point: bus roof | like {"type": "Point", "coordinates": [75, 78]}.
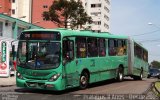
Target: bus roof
{"type": "Point", "coordinates": [68, 32]}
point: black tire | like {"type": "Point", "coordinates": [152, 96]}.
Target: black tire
{"type": "Point", "coordinates": [120, 75]}
{"type": "Point", "coordinates": [84, 80]}
{"type": "Point", "coordinates": [140, 77]}
{"type": "Point", "coordinates": [158, 76]}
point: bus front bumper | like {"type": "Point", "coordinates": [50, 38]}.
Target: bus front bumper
{"type": "Point", "coordinates": [40, 84]}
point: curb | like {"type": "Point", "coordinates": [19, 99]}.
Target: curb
{"type": "Point", "coordinates": [152, 88]}
{"type": "Point", "coordinates": [7, 85]}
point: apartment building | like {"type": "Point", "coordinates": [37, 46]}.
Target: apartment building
{"type": "Point", "coordinates": [21, 9]}
{"type": "Point", "coordinates": [38, 7]}
{"type": "Point", "coordinates": [5, 7]}
{"type": "Point", "coordinates": [99, 10]}
{"type": "Point", "coordinates": [31, 11]}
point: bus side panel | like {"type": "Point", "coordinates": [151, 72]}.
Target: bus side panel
{"type": "Point", "coordinates": [139, 63]}
{"type": "Point", "coordinates": [106, 69]}
{"type": "Point", "coordinates": [145, 69]}
{"type": "Point", "coordinates": [137, 66]}
{"type": "Point", "coordinates": [98, 68]}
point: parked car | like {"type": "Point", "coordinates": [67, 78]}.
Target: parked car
{"type": "Point", "coordinates": [154, 72]}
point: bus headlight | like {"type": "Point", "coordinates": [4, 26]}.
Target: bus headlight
{"type": "Point", "coordinates": [54, 77]}
{"type": "Point", "coordinates": [19, 75]}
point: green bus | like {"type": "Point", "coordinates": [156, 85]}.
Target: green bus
{"type": "Point", "coordinates": [58, 59]}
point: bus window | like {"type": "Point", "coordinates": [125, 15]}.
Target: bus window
{"type": "Point", "coordinates": [81, 47]}
{"type": "Point", "coordinates": [124, 44]}
{"type": "Point", "coordinates": [145, 56]}
{"type": "Point", "coordinates": [121, 50]}
{"type": "Point", "coordinates": [138, 51]}
{"type": "Point", "coordinates": [102, 48]}
{"type": "Point", "coordinates": [92, 47]}
{"type": "Point", "coordinates": [112, 47]}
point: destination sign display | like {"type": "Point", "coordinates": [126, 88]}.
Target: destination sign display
{"type": "Point", "coordinates": [39, 35]}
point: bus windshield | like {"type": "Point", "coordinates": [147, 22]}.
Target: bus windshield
{"type": "Point", "coordinates": [38, 55]}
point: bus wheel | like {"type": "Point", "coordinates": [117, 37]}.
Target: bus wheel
{"type": "Point", "coordinates": [84, 80]}
{"type": "Point", "coordinates": [140, 77]}
{"type": "Point", "coordinates": [120, 74]}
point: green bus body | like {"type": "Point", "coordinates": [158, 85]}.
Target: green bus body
{"type": "Point", "coordinates": [71, 68]}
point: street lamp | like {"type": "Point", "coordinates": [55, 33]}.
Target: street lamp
{"type": "Point", "coordinates": [150, 23]}
{"type": "Point", "coordinates": [154, 25]}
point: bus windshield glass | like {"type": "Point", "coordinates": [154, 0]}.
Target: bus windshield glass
{"type": "Point", "coordinates": [38, 55]}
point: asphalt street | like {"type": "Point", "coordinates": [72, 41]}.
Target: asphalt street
{"type": "Point", "coordinates": [106, 90]}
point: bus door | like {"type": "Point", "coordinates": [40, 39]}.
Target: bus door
{"type": "Point", "coordinates": [70, 70]}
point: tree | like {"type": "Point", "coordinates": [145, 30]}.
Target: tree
{"type": "Point", "coordinates": [155, 64]}
{"type": "Point", "coordinates": [63, 12]}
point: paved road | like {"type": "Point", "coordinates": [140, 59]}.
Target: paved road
{"type": "Point", "coordinates": [129, 86]}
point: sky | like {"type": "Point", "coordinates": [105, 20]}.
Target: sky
{"type": "Point", "coordinates": [131, 18]}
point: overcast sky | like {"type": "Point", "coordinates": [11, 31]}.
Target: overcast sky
{"type": "Point", "coordinates": [131, 17]}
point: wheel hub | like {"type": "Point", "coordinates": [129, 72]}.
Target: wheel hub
{"type": "Point", "coordinates": [83, 80]}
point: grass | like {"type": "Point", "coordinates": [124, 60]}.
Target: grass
{"type": "Point", "coordinates": [157, 85]}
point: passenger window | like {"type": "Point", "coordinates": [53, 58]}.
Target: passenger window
{"type": "Point", "coordinates": [102, 48]}
{"type": "Point", "coordinates": [121, 50]}
{"type": "Point", "coordinates": [145, 56]}
{"type": "Point", "coordinates": [92, 47]}
{"type": "Point", "coordinates": [81, 47]}
{"type": "Point", "coordinates": [112, 47]}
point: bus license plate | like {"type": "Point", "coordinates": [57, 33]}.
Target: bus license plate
{"type": "Point", "coordinates": [32, 85]}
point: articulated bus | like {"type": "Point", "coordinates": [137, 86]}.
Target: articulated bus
{"type": "Point", "coordinates": [58, 59]}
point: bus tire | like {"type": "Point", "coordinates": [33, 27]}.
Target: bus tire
{"type": "Point", "coordinates": [84, 80]}
{"type": "Point", "coordinates": [120, 74]}
{"type": "Point", "coordinates": [140, 77]}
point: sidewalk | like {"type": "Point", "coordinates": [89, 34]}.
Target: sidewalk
{"type": "Point", "coordinates": [8, 81]}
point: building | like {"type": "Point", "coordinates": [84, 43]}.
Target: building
{"type": "Point", "coordinates": [10, 30]}
{"type": "Point", "coordinates": [11, 27]}
{"type": "Point", "coordinates": [21, 9]}
{"type": "Point", "coordinates": [99, 10]}
{"type": "Point", "coordinates": [31, 11]}
{"type": "Point", "coordinates": [38, 7]}
{"type": "Point", "coordinates": [5, 7]}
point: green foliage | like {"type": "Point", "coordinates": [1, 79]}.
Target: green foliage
{"type": "Point", "coordinates": [155, 64]}
{"type": "Point", "coordinates": [63, 12]}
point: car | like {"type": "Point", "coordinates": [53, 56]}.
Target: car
{"type": "Point", "coordinates": [154, 72]}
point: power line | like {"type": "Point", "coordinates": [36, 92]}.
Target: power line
{"type": "Point", "coordinates": [146, 33]}
{"type": "Point", "coordinates": [154, 55]}
{"type": "Point", "coordinates": [155, 40]}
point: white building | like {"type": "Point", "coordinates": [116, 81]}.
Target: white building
{"type": "Point", "coordinates": [99, 10]}
{"type": "Point", "coordinates": [21, 9]}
